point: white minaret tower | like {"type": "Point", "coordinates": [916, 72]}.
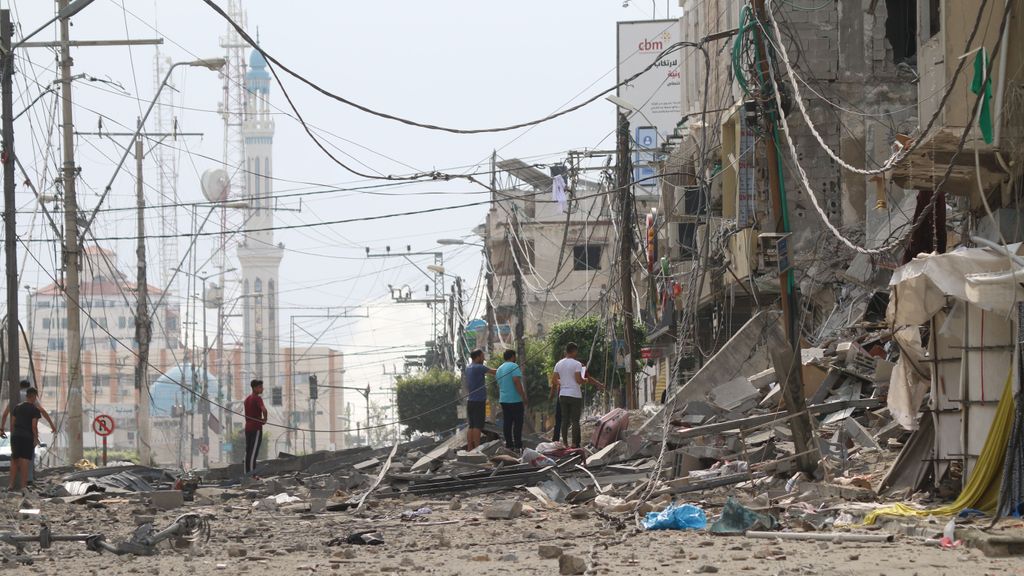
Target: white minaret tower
{"type": "Point", "coordinates": [259, 257]}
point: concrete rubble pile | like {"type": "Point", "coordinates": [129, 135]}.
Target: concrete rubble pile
{"type": "Point", "coordinates": [721, 443]}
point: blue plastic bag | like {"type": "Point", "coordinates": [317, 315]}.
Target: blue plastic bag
{"type": "Point", "coordinates": [676, 517]}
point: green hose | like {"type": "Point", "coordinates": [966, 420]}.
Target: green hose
{"type": "Point", "coordinates": [737, 50]}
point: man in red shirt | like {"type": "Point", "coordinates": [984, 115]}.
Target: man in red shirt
{"type": "Point", "coordinates": [255, 418]}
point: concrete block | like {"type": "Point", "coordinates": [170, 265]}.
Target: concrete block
{"type": "Point", "coordinates": [167, 499]}
{"type": "Point", "coordinates": [504, 510]}
{"type": "Point", "coordinates": [549, 551]}
{"type": "Point", "coordinates": [471, 457]}
{"type": "Point", "coordinates": [570, 564]}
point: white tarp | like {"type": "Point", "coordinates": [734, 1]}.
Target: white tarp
{"type": "Point", "coordinates": [987, 278]}
{"type": "Point", "coordinates": [920, 287]}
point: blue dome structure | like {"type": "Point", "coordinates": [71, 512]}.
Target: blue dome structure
{"type": "Point", "coordinates": [257, 79]}
{"type": "Point", "coordinates": [174, 388]}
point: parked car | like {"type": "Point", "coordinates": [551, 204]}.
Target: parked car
{"type": "Point", "coordinates": [5, 452]}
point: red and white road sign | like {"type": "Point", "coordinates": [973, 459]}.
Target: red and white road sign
{"type": "Point", "coordinates": [103, 425]}
{"type": "Point", "coordinates": [204, 448]}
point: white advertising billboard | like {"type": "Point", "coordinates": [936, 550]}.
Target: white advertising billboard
{"type": "Point", "coordinates": [656, 93]}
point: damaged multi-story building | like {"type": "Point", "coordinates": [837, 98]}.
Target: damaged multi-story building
{"type": "Point", "coordinates": [899, 136]}
{"type": "Point", "coordinates": [870, 75]}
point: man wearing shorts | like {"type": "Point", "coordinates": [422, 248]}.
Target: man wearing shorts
{"type": "Point", "coordinates": [476, 397]}
{"type": "Point", "coordinates": [24, 438]}
{"type": "Point", "coordinates": [25, 385]}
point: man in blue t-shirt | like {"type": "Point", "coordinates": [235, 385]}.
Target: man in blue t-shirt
{"type": "Point", "coordinates": [512, 396]}
{"type": "Point", "coordinates": [476, 397]}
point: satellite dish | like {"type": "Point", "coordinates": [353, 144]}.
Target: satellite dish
{"type": "Point", "coordinates": [215, 185]}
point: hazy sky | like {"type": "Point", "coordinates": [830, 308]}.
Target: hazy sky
{"type": "Point", "coordinates": [456, 63]}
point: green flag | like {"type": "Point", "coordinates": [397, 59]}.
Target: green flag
{"type": "Point", "coordinates": [981, 80]}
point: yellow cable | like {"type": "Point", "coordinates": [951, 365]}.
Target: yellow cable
{"type": "Point", "coordinates": [982, 490]}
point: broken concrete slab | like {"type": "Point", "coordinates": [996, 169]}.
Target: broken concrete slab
{"type": "Point", "coordinates": [614, 452]}
{"type": "Point", "coordinates": [736, 395]}
{"type": "Point", "coordinates": [763, 379]}
{"type": "Point", "coordinates": [440, 451]}
{"type": "Point", "coordinates": [745, 354]}
{"type": "Point", "coordinates": [366, 464]}
{"type": "Point", "coordinates": [473, 457]}
{"type": "Point", "coordinates": [859, 435]}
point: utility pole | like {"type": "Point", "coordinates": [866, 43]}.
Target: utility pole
{"type": "Point", "coordinates": [517, 286]}
{"type": "Point", "coordinates": [142, 323]}
{"type": "Point", "coordinates": [460, 324]}
{"type": "Point", "coordinates": [71, 253]}
{"type": "Point", "coordinates": [313, 383]}
{"type": "Point", "coordinates": [623, 181]}
{"type": "Point", "coordinates": [786, 358]}
{"type": "Point", "coordinates": [438, 300]}
{"type": "Point", "coordinates": [10, 209]}
{"type": "Point", "coordinates": [489, 271]}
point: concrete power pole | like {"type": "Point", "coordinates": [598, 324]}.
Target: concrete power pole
{"type": "Point", "coordinates": [10, 210]}
{"type": "Point", "coordinates": [72, 256]}
{"type": "Point", "coordinates": [71, 251]}
{"type": "Point", "coordinates": [623, 181]}
{"type": "Point", "coordinates": [142, 323]}
{"type": "Point", "coordinates": [517, 286]}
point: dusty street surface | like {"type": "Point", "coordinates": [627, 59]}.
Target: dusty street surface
{"type": "Point", "coordinates": [444, 541]}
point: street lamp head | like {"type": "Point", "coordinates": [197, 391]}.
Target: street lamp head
{"type": "Point", "coordinates": [622, 103]}
{"type": "Point", "coordinates": [73, 8]}
{"type": "Point", "coordinates": [436, 269]}
{"type": "Point", "coordinates": [209, 63]}
{"type": "Point", "coordinates": [450, 242]}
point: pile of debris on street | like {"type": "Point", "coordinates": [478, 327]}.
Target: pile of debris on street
{"type": "Point", "coordinates": [718, 457]}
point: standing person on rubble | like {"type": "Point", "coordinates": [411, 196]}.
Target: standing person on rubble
{"type": "Point", "coordinates": [255, 418]}
{"type": "Point", "coordinates": [570, 380]}
{"type": "Point", "coordinates": [558, 410]}
{"type": "Point", "coordinates": [24, 385]}
{"type": "Point", "coordinates": [476, 397]}
{"type": "Point", "coordinates": [24, 438]}
{"type": "Point", "coordinates": [512, 396]}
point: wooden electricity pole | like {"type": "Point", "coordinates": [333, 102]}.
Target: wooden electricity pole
{"type": "Point", "coordinates": [623, 181]}
{"type": "Point", "coordinates": [786, 357]}
{"type": "Point", "coordinates": [13, 375]}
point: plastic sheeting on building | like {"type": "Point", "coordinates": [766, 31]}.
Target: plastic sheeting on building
{"type": "Point", "coordinates": [968, 301]}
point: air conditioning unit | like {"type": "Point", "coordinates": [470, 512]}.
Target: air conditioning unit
{"type": "Point", "coordinates": [690, 201]}
{"type": "Point", "coordinates": [714, 226]}
{"type": "Point", "coordinates": [682, 238]}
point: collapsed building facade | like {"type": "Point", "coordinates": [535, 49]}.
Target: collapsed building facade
{"type": "Point", "coordinates": [927, 172]}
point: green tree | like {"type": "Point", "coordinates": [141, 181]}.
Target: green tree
{"type": "Point", "coordinates": [427, 401]}
{"type": "Point", "coordinates": [590, 333]}
{"type": "Point", "coordinates": [536, 369]}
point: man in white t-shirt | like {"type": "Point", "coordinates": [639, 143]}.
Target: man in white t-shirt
{"type": "Point", "coordinates": [569, 378]}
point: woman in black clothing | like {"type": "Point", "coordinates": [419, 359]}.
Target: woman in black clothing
{"type": "Point", "coordinates": [24, 438]}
